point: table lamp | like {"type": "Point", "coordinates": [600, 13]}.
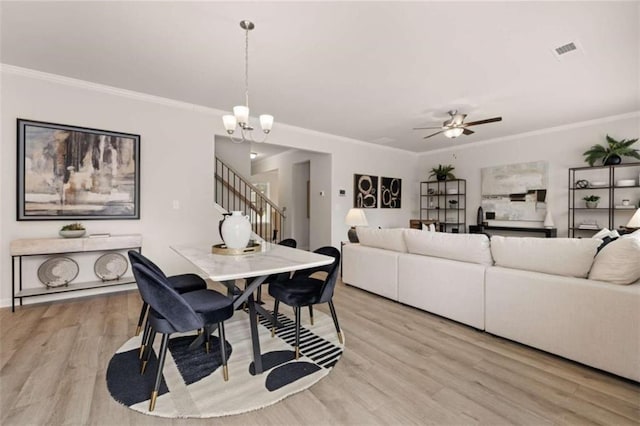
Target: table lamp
{"type": "Point", "coordinates": [354, 218]}
{"type": "Point", "coordinates": [634, 223]}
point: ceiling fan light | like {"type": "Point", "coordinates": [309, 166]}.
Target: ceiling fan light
{"type": "Point", "coordinates": [453, 132]}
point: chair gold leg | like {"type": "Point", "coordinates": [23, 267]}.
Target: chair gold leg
{"type": "Point", "coordinates": [144, 367]}
{"type": "Point", "coordinates": [138, 329]}
{"type": "Point", "coordinates": [340, 339]}
{"type": "Point", "coordinates": [311, 319]}
{"type": "Point", "coordinates": [225, 373]}
{"type": "Point", "coordinates": [206, 346]}
{"type": "Point", "coordinates": [152, 403]}
{"type": "Point", "coordinates": [273, 332]}
{"type": "Point", "coordinates": [141, 351]}
{"type": "Point", "coordinates": [297, 352]}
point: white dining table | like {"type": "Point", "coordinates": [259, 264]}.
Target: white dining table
{"type": "Point", "coordinates": [255, 267]}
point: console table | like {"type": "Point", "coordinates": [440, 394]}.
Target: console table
{"type": "Point", "coordinates": [62, 246]}
{"type": "Point", "coordinates": [548, 232]}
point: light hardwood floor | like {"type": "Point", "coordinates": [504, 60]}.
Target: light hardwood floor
{"type": "Point", "coordinates": [401, 366]}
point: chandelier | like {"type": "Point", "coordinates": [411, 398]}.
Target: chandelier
{"type": "Point", "coordinates": [240, 117]}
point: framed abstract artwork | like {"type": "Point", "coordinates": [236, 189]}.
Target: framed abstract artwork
{"type": "Point", "coordinates": [365, 191]}
{"type": "Point", "coordinates": [390, 193]}
{"type": "Point", "coordinates": [76, 173]}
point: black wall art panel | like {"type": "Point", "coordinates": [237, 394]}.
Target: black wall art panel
{"type": "Point", "coordinates": [365, 191]}
{"type": "Point", "coordinates": [390, 193]}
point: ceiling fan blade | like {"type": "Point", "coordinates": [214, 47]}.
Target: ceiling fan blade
{"type": "Point", "coordinates": [422, 128]}
{"type": "Point", "coordinates": [433, 134]}
{"type": "Point", "coordinates": [488, 120]}
{"type": "Point", "coordinates": [468, 132]}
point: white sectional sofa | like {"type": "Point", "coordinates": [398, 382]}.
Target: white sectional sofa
{"type": "Point", "coordinates": [545, 293]}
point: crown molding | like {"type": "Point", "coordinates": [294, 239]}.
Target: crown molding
{"type": "Point", "coordinates": [143, 97]}
{"type": "Point", "coordinates": [103, 88]}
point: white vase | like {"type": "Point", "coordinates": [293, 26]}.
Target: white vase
{"type": "Point", "coordinates": [236, 230]}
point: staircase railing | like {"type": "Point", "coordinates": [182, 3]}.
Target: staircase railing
{"type": "Point", "coordinates": [235, 192]}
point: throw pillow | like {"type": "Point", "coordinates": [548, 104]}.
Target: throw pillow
{"type": "Point", "coordinates": [619, 261]}
{"type": "Point", "coordinates": [569, 257]}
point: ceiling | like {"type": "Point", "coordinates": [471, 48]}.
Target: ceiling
{"type": "Point", "coordinates": [365, 70]}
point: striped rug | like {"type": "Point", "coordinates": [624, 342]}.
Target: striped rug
{"type": "Point", "coordinates": [192, 379]}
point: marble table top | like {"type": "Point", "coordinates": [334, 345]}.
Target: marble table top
{"type": "Point", "coordinates": [274, 259]}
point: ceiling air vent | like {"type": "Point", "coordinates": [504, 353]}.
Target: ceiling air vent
{"type": "Point", "coordinates": [565, 49]}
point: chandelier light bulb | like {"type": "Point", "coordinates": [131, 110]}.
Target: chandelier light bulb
{"type": "Point", "coordinates": [242, 114]}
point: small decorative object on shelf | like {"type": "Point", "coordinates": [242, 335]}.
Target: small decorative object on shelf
{"type": "Point", "coordinates": [611, 154]}
{"type": "Point", "coordinates": [592, 201]}
{"type": "Point", "coordinates": [236, 230]}
{"type": "Point", "coordinates": [443, 172]}
{"type": "Point", "coordinates": [73, 230]}
{"type": "Point", "coordinates": [582, 183]}
{"type": "Point", "coordinates": [58, 271]}
{"type": "Point", "coordinates": [110, 266]}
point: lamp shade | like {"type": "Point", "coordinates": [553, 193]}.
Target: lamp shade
{"type": "Point", "coordinates": [356, 217]}
{"type": "Point", "coordinates": [229, 122]}
{"type": "Point", "coordinates": [635, 220]}
{"type": "Point", "coordinates": [241, 113]}
{"type": "Point", "coordinates": [266, 122]}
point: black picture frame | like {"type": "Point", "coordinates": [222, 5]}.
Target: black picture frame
{"type": "Point", "coordinates": [76, 173]}
{"type": "Point", "coordinates": [390, 193]}
{"type": "Point", "coordinates": [365, 191]}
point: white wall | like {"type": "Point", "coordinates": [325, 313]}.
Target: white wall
{"type": "Point", "coordinates": [561, 147]}
{"type": "Point", "coordinates": [177, 156]}
{"type": "Point", "coordinates": [300, 217]}
{"type": "Point", "coordinates": [234, 155]}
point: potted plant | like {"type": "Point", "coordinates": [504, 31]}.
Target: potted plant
{"type": "Point", "coordinates": [592, 201]}
{"type": "Point", "coordinates": [73, 230]}
{"type": "Point", "coordinates": [612, 153]}
{"type": "Point", "coordinates": [443, 172]}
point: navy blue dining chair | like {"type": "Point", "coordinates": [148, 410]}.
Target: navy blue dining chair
{"type": "Point", "coordinates": [171, 312]}
{"type": "Point", "coordinates": [304, 290]}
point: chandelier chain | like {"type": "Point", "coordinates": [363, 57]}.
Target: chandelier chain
{"type": "Point", "coordinates": [246, 67]}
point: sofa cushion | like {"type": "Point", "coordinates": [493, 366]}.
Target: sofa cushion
{"type": "Point", "coordinates": [473, 248]}
{"type": "Point", "coordinates": [389, 239]}
{"type": "Point", "coordinates": [569, 257]}
{"type": "Point", "coordinates": [618, 262]}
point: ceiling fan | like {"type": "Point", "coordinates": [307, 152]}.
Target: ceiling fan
{"type": "Point", "coordinates": [455, 125]}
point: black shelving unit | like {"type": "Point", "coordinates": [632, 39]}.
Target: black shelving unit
{"type": "Point", "coordinates": [609, 212]}
{"type": "Point", "coordinates": [446, 202]}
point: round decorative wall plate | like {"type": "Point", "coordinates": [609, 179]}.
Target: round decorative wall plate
{"type": "Point", "coordinates": [58, 271]}
{"type": "Point", "coordinates": [110, 266]}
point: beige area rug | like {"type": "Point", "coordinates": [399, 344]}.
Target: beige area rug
{"type": "Point", "coordinates": [192, 379]}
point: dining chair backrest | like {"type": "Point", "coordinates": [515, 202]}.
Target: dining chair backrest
{"type": "Point", "coordinates": [137, 257]}
{"type": "Point", "coordinates": [157, 292]}
{"type": "Point", "coordinates": [326, 290]}
{"type": "Point", "coordinates": [289, 242]}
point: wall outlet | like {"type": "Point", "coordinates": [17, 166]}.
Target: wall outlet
{"type": "Point", "coordinates": [342, 193]}
{"type": "Point", "coordinates": [176, 204]}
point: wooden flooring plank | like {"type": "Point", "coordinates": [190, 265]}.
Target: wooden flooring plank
{"type": "Point", "coordinates": [401, 366]}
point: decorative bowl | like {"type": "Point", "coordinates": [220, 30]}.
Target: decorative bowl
{"type": "Point", "coordinates": [72, 234]}
{"type": "Point", "coordinates": [597, 184]}
{"type": "Point", "coordinates": [626, 182]}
